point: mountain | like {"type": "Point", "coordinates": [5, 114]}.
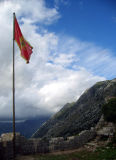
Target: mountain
{"type": "Point", "coordinates": [26, 128]}
{"type": "Point", "coordinates": [80, 115]}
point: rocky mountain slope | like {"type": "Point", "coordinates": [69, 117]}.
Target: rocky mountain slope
{"type": "Point", "coordinates": [81, 115]}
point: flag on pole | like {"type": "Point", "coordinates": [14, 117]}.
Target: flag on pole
{"type": "Point", "coordinates": [24, 46]}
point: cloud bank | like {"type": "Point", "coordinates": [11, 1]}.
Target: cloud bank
{"type": "Point", "coordinates": [60, 69]}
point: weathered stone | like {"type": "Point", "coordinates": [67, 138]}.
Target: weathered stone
{"type": "Point", "coordinates": [32, 146]}
{"type": "Point", "coordinates": [104, 128]}
{"type": "Point", "coordinates": [56, 140]}
{"type": "Point", "coordinates": [70, 138]}
{"type": "Point", "coordinates": [106, 131]}
{"type": "Point", "coordinates": [8, 136]}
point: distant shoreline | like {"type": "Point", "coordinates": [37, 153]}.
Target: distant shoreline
{"type": "Point", "coordinates": [17, 121]}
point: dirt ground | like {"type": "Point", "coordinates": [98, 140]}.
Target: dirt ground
{"type": "Point", "coordinates": [24, 158]}
{"type": "Point", "coordinates": [30, 157]}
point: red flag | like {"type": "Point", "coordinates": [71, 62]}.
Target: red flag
{"type": "Point", "coordinates": [25, 47]}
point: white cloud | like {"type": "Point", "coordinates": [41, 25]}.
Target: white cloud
{"type": "Point", "coordinates": [37, 11]}
{"type": "Point", "coordinates": [56, 73]}
{"type": "Point", "coordinates": [66, 89]}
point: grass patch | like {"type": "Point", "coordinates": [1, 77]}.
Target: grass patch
{"type": "Point", "coordinates": [99, 154]}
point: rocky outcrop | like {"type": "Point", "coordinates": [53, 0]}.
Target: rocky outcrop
{"type": "Point", "coordinates": [105, 134]}
{"type": "Point", "coordinates": [81, 115]}
{"type": "Point", "coordinates": [105, 129]}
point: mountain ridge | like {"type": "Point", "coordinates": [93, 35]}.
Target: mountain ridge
{"type": "Point", "coordinates": [80, 115]}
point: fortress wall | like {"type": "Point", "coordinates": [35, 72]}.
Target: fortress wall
{"type": "Point", "coordinates": [37, 145]}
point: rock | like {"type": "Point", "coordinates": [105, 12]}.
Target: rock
{"type": "Point", "coordinates": [108, 130]}
{"type": "Point", "coordinates": [56, 140]}
{"type": "Point", "coordinates": [100, 123]}
{"type": "Point", "coordinates": [70, 138]}
{"type": "Point", "coordinates": [8, 136]}
{"type": "Point", "coordinates": [80, 115]}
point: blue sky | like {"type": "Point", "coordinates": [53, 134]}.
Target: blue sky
{"type": "Point", "coordinates": [88, 20]}
{"type": "Point", "coordinates": [73, 48]}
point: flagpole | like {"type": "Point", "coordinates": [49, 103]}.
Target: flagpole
{"type": "Point", "coordinates": [14, 86]}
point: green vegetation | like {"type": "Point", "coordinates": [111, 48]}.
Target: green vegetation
{"type": "Point", "coordinates": [99, 84]}
{"type": "Point", "coordinates": [99, 154]}
{"type": "Point", "coordinates": [109, 110]}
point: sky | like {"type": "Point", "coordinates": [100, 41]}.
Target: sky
{"type": "Point", "coordinates": [73, 48]}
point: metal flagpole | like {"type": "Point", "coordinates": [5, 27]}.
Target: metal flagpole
{"type": "Point", "coordinates": [14, 86]}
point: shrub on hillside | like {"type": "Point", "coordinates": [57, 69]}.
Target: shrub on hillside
{"type": "Point", "coordinates": [109, 110]}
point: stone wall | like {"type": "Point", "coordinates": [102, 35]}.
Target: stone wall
{"type": "Point", "coordinates": [38, 145]}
